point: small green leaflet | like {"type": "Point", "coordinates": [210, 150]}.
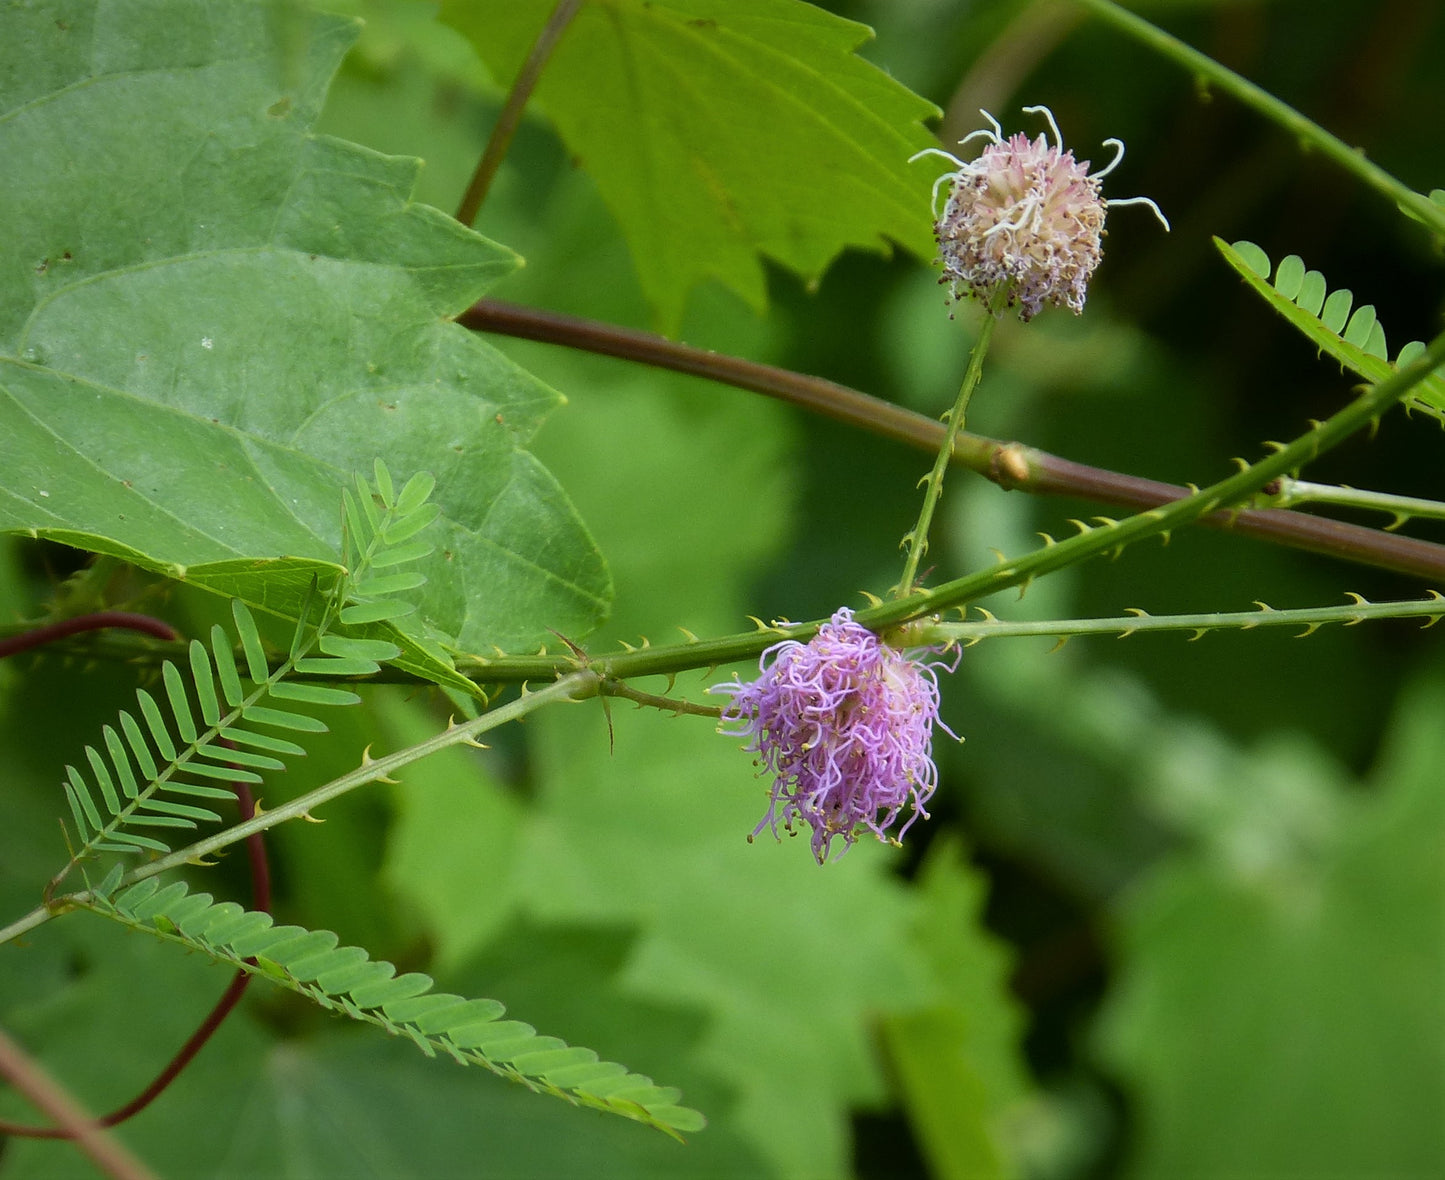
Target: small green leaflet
{"type": "Point", "coordinates": [1356, 341]}
{"type": "Point", "coordinates": [721, 132]}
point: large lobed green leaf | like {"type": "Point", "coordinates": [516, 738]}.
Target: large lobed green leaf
{"type": "Point", "coordinates": [210, 317]}
{"type": "Point", "coordinates": [721, 132]}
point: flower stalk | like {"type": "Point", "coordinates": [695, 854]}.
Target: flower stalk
{"type": "Point", "coordinates": [916, 540]}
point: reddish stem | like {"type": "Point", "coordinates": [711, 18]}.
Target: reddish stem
{"type": "Point", "coordinates": [92, 622]}
{"type": "Point", "coordinates": [255, 855]}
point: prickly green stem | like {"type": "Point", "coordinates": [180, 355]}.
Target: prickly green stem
{"type": "Point", "coordinates": [1310, 134]}
{"type": "Point", "coordinates": [1310, 618]}
{"type": "Point", "coordinates": [1231, 492]}
{"type": "Point", "coordinates": [1402, 508]}
{"type": "Point", "coordinates": [916, 541]}
{"type": "Point", "coordinates": [1227, 493]}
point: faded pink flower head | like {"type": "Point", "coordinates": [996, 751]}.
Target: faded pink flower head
{"type": "Point", "coordinates": [844, 723]}
{"type": "Point", "coordinates": [1023, 223]}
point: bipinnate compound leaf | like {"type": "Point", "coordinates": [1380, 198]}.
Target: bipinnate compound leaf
{"type": "Point", "coordinates": [723, 132]}
{"type": "Point", "coordinates": [1279, 1012]}
{"type": "Point", "coordinates": [210, 318]}
{"type": "Point", "coordinates": [149, 773]}
{"type": "Point", "coordinates": [346, 980]}
{"type": "Point", "coordinates": [1356, 341]}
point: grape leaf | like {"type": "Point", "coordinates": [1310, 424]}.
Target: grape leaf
{"type": "Point", "coordinates": [724, 131]}
{"type": "Point", "coordinates": [210, 317]}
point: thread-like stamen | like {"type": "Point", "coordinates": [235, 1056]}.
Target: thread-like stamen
{"type": "Point", "coordinates": [1028, 207]}
{"type": "Point", "coordinates": [1164, 221]}
{"type": "Point", "coordinates": [949, 156]}
{"type": "Point", "coordinates": [981, 133]}
{"type": "Point", "coordinates": [1054, 127]}
{"type": "Point", "coordinates": [1118, 146]}
{"type": "Point", "coordinates": [946, 178]}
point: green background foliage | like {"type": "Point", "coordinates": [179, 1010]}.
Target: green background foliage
{"type": "Point", "coordinates": [1177, 910]}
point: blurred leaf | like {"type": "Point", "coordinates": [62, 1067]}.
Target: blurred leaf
{"type": "Point", "coordinates": [958, 1063]}
{"type": "Point", "coordinates": [567, 977]}
{"type": "Point", "coordinates": [721, 132]}
{"type": "Point", "coordinates": [1282, 1016]}
{"type": "Point", "coordinates": [452, 851]}
{"type": "Point", "coordinates": [790, 960]}
{"type": "Point", "coordinates": [206, 335]}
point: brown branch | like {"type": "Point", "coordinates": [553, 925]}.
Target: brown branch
{"type": "Point", "coordinates": [511, 113]}
{"type": "Point", "coordinates": [1011, 465]}
{"type": "Point", "coordinates": [49, 1097]}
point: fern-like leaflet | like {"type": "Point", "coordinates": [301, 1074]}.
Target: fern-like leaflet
{"type": "Point", "coordinates": [1354, 338]}
{"type": "Point", "coordinates": [347, 980]}
{"type": "Point", "coordinates": [164, 771]}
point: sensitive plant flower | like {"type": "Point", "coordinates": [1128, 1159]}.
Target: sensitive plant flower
{"type": "Point", "coordinates": [1022, 223]}
{"type": "Point", "coordinates": [845, 724]}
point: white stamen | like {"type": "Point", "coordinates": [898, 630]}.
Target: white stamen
{"type": "Point", "coordinates": [937, 184]}
{"type": "Point", "coordinates": [1028, 207]}
{"type": "Point", "coordinates": [1054, 127]}
{"type": "Point", "coordinates": [936, 152]}
{"type": "Point", "coordinates": [1118, 146]}
{"type": "Point", "coordinates": [994, 123]}
{"type": "Point", "coordinates": [983, 132]}
{"type": "Point", "coordinates": [1164, 221]}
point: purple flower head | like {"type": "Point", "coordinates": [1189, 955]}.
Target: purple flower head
{"type": "Point", "coordinates": [845, 724]}
{"type": "Point", "coordinates": [1023, 223]}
